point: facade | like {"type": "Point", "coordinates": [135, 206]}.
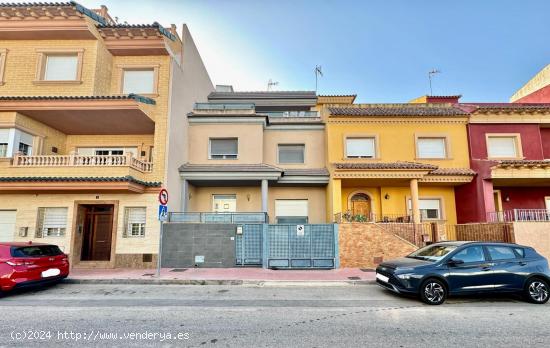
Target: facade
{"type": "Point", "coordinates": [396, 162]}
{"type": "Point", "coordinates": [510, 152]}
{"type": "Point", "coordinates": [90, 113]}
{"type": "Point", "coordinates": [536, 90]}
{"type": "Point", "coordinates": [259, 156]}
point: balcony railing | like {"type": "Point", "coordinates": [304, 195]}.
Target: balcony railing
{"type": "Point", "coordinates": [82, 161]}
{"type": "Point", "coordinates": [298, 114]}
{"type": "Point", "coordinates": [348, 217]}
{"type": "Point", "coordinates": [519, 215]}
{"type": "Point", "coordinates": [220, 106]}
{"type": "Point", "coordinates": [220, 218]}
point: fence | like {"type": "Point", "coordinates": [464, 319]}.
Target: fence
{"type": "Point", "coordinates": [485, 232]}
{"type": "Point", "coordinates": [519, 215]}
{"type": "Point", "coordinates": [349, 217]}
{"type": "Point", "coordinates": [222, 218]}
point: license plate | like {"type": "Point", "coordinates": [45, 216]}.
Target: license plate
{"type": "Point", "coordinates": [52, 272]}
{"type": "Point", "coordinates": [382, 277]}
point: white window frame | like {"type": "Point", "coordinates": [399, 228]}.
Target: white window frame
{"type": "Point", "coordinates": [42, 61]}
{"type": "Point", "coordinates": [129, 225]}
{"type": "Point", "coordinates": [224, 156]}
{"type": "Point", "coordinates": [60, 228]}
{"type": "Point", "coordinates": [131, 67]}
{"type": "Point", "coordinates": [294, 214]}
{"type": "Point", "coordinates": [361, 137]}
{"type": "Point", "coordinates": [421, 138]}
{"type": "Point", "coordinates": [423, 216]}
{"type": "Point", "coordinates": [517, 145]}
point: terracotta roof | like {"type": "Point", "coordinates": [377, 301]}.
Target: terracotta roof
{"type": "Point", "coordinates": [134, 30]}
{"type": "Point", "coordinates": [135, 97]}
{"type": "Point", "coordinates": [385, 165]}
{"type": "Point", "coordinates": [49, 9]}
{"type": "Point", "coordinates": [453, 171]}
{"type": "Point", "coordinates": [79, 179]}
{"type": "Point", "coordinates": [306, 172]}
{"type": "Point", "coordinates": [523, 163]}
{"type": "Point", "coordinates": [228, 168]}
{"type": "Point", "coordinates": [398, 110]}
{"type": "Point", "coordinates": [505, 107]}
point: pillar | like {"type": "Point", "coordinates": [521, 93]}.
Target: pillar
{"type": "Point", "coordinates": [264, 195]}
{"type": "Point", "coordinates": [184, 195]}
{"type": "Point", "coordinates": [336, 198]}
{"type": "Point", "coordinates": [414, 201]}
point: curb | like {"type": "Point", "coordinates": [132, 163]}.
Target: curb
{"type": "Point", "coordinates": [266, 283]}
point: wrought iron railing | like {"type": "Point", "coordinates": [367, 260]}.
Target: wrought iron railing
{"type": "Point", "coordinates": [222, 218]}
{"type": "Point", "coordinates": [348, 217]}
{"type": "Point", "coordinates": [519, 215]}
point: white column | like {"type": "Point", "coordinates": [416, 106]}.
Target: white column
{"type": "Point", "coordinates": [414, 201]}
{"type": "Point", "coordinates": [184, 195]}
{"type": "Point", "coordinates": [264, 195]}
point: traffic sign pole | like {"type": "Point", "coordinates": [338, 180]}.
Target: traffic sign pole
{"type": "Point", "coordinates": [163, 200]}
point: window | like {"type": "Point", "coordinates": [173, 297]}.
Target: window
{"type": "Point", "coordinates": [291, 211]}
{"type": "Point", "coordinates": [61, 67]}
{"type": "Point", "coordinates": [24, 141]}
{"type": "Point", "coordinates": [25, 149]}
{"type": "Point", "coordinates": [224, 203]}
{"type": "Point", "coordinates": [36, 251]}
{"type": "Point", "coordinates": [431, 147]}
{"type": "Point", "coordinates": [520, 252]}
{"type": "Point", "coordinates": [224, 148]}
{"type": "Point", "coordinates": [471, 254]}
{"type": "Point", "coordinates": [291, 153]}
{"type": "Point", "coordinates": [503, 146]}
{"type": "Point", "coordinates": [3, 149]}
{"type": "Point", "coordinates": [134, 221]}
{"type": "Point", "coordinates": [430, 209]}
{"type": "Point", "coordinates": [361, 147]}
{"type": "Point", "coordinates": [432, 252]}
{"type": "Point", "coordinates": [139, 81]}
{"type": "Point", "coordinates": [500, 252]}
{"type": "Point", "coordinates": [52, 222]}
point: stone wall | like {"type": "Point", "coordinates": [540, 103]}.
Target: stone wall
{"type": "Point", "coordinates": [366, 245]}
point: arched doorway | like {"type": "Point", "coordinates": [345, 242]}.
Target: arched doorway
{"type": "Point", "coordinates": [361, 205]}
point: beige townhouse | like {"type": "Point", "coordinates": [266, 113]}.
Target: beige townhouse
{"type": "Point", "coordinates": [90, 112]}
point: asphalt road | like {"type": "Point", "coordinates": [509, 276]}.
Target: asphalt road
{"type": "Point", "coordinates": [241, 316]}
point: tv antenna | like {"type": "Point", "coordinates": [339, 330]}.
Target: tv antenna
{"type": "Point", "coordinates": [271, 83]}
{"type": "Point", "coordinates": [430, 74]}
{"type": "Point", "coordinates": [318, 73]}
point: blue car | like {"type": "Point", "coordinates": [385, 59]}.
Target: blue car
{"type": "Point", "coordinates": [452, 268]}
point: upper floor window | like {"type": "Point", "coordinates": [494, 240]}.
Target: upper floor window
{"type": "Point", "coordinates": [59, 65]}
{"type": "Point", "coordinates": [13, 141]}
{"type": "Point", "coordinates": [503, 146]}
{"type": "Point", "coordinates": [291, 154]}
{"type": "Point", "coordinates": [431, 147]}
{"type": "Point", "coordinates": [226, 148]}
{"type": "Point", "coordinates": [139, 80]}
{"type": "Point", "coordinates": [364, 147]}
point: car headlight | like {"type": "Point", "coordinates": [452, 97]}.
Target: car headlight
{"type": "Point", "coordinates": [405, 276]}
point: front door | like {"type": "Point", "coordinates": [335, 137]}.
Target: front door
{"type": "Point", "coordinates": [97, 232]}
{"type": "Point", "coordinates": [360, 205]}
{"type": "Point", "coordinates": [475, 274]}
{"type": "Point", "coordinates": [224, 204]}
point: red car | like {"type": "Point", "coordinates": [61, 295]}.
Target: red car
{"type": "Point", "coordinates": [30, 264]}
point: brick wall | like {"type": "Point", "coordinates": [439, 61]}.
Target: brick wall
{"type": "Point", "coordinates": [366, 245]}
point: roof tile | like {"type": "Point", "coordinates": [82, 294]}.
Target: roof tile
{"type": "Point", "coordinates": [398, 110]}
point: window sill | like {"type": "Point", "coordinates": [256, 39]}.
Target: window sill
{"type": "Point", "coordinates": [433, 159]}
{"type": "Point", "coordinates": [54, 82]}
{"type": "Point", "coordinates": [352, 159]}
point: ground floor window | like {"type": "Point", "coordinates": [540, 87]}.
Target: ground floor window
{"type": "Point", "coordinates": [430, 209]}
{"type": "Point", "coordinates": [134, 218]}
{"type": "Point", "coordinates": [291, 211]}
{"type": "Point", "coordinates": [52, 222]}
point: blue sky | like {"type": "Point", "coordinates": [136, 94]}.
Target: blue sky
{"type": "Point", "coordinates": [380, 50]}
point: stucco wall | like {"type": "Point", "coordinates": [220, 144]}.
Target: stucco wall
{"type": "Point", "coordinates": [312, 139]}
{"type": "Point", "coordinates": [524, 197]}
{"type": "Point", "coordinates": [534, 234]}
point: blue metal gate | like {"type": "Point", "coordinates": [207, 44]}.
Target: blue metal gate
{"type": "Point", "coordinates": [249, 246]}
{"type": "Point", "coordinates": [291, 246]}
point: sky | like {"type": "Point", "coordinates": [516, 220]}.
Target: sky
{"type": "Point", "coordinates": [380, 50]}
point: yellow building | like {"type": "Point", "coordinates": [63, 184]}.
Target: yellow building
{"type": "Point", "coordinates": [394, 162]}
{"type": "Point", "coordinates": [90, 112]}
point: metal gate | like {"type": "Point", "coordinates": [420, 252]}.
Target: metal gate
{"type": "Point", "coordinates": [302, 246]}
{"type": "Point", "coordinates": [248, 246]}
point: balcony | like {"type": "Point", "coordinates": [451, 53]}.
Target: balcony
{"type": "Point", "coordinates": [292, 114]}
{"type": "Point", "coordinates": [523, 215]}
{"type": "Point", "coordinates": [219, 218]}
{"type": "Point", "coordinates": [82, 161]}
{"type": "Point", "coordinates": [218, 106]}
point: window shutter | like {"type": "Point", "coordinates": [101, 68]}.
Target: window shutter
{"type": "Point", "coordinates": [431, 148]}
{"type": "Point", "coordinates": [39, 223]}
{"type": "Point", "coordinates": [503, 147]}
{"type": "Point", "coordinates": [291, 153]}
{"type": "Point", "coordinates": [291, 207]}
{"type": "Point", "coordinates": [61, 68]}
{"type": "Point", "coordinates": [223, 146]}
{"type": "Point", "coordinates": [139, 81]}
{"type": "Point", "coordinates": [134, 216]}
{"type": "Point", "coordinates": [360, 147]}
{"type": "Point", "coordinates": [54, 218]}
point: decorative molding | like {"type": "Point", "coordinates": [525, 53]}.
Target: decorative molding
{"type": "Point", "coordinates": [361, 120]}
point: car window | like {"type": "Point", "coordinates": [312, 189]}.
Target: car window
{"type": "Point", "coordinates": [520, 252]}
{"type": "Point", "coordinates": [36, 251]}
{"type": "Point", "coordinates": [470, 254]}
{"type": "Point", "coordinates": [432, 252]}
{"type": "Point", "coordinates": [501, 252]}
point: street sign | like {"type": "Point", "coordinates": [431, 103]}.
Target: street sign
{"type": "Point", "coordinates": [163, 212]}
{"type": "Point", "coordinates": [163, 196]}
{"type": "Point", "coordinates": [300, 229]}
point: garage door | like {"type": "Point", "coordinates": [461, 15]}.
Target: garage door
{"type": "Point", "coordinates": [7, 225]}
{"type": "Point", "coordinates": [291, 211]}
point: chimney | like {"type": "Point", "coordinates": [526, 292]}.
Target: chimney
{"type": "Point", "coordinates": [174, 29]}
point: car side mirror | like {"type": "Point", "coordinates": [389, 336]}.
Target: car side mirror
{"type": "Point", "coordinates": [454, 262]}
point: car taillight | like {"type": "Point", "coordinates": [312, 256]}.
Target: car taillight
{"type": "Point", "coordinates": [19, 263]}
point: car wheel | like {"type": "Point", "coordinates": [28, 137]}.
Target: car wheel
{"type": "Point", "coordinates": [537, 291]}
{"type": "Point", "coordinates": [433, 292]}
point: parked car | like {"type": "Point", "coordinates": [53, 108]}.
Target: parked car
{"type": "Point", "coordinates": [450, 268]}
{"type": "Point", "coordinates": [31, 264]}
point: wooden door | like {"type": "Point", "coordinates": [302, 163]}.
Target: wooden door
{"type": "Point", "coordinates": [97, 233]}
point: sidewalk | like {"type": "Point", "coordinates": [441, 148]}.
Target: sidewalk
{"type": "Point", "coordinates": [222, 276]}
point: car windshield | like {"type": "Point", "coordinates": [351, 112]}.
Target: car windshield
{"type": "Point", "coordinates": [36, 251]}
{"type": "Point", "coordinates": [432, 252]}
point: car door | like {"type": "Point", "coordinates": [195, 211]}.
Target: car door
{"type": "Point", "coordinates": [474, 274]}
{"type": "Point", "coordinates": [508, 268]}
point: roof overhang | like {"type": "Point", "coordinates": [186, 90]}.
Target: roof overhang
{"type": "Point", "coordinates": [230, 176]}
{"type": "Point", "coordinates": [521, 176]}
{"type": "Point", "coordinates": [46, 29]}
{"type": "Point", "coordinates": [74, 185]}
{"type": "Point", "coordinates": [137, 46]}
{"type": "Point", "coordinates": [81, 116]}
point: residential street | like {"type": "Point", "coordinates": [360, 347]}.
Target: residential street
{"type": "Point", "coordinates": [255, 316]}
